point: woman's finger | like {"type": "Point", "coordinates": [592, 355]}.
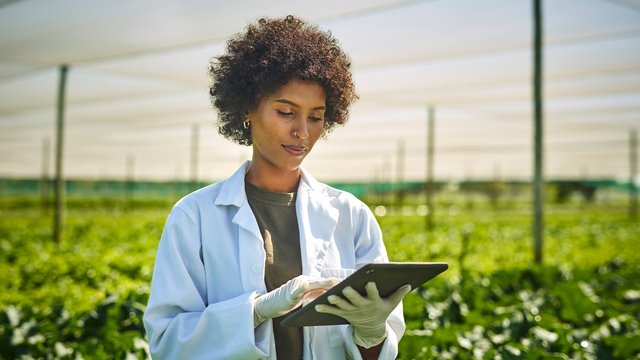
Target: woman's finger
{"type": "Point", "coordinates": [399, 294]}
{"type": "Point", "coordinates": [328, 309]}
{"type": "Point", "coordinates": [323, 283]}
{"type": "Point", "coordinates": [372, 291]}
{"type": "Point", "coordinates": [353, 296]}
{"type": "Point", "coordinates": [340, 302]}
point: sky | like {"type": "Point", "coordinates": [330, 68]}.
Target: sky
{"type": "Point", "coordinates": [137, 87]}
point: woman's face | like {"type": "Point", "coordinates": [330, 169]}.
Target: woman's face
{"type": "Point", "coordinates": [286, 125]}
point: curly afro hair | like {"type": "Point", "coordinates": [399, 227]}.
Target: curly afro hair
{"type": "Point", "coordinates": [268, 55]}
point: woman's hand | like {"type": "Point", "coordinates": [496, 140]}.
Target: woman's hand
{"type": "Point", "coordinates": [368, 315]}
{"type": "Point", "coordinates": [288, 296]}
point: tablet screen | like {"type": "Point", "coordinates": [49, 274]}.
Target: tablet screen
{"type": "Point", "coordinates": [388, 278]}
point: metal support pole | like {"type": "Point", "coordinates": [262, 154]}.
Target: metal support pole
{"type": "Point", "coordinates": [633, 174]}
{"type": "Point", "coordinates": [400, 176]}
{"type": "Point", "coordinates": [44, 181]}
{"type": "Point", "coordinates": [429, 184]}
{"type": "Point", "coordinates": [60, 181]}
{"type": "Point", "coordinates": [538, 180]}
{"type": "Point", "coordinates": [387, 182]}
{"type": "Point", "coordinates": [129, 181]}
{"type": "Point", "coordinates": [194, 156]}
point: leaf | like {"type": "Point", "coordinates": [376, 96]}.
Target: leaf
{"type": "Point", "coordinates": [574, 304]}
{"type": "Point", "coordinates": [14, 315]}
{"type": "Point", "coordinates": [545, 336]}
{"type": "Point", "coordinates": [62, 350]}
{"type": "Point", "coordinates": [624, 346]}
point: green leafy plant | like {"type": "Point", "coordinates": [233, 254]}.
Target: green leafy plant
{"type": "Point", "coordinates": [84, 298]}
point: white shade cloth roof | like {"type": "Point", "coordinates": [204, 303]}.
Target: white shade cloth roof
{"type": "Point", "coordinates": [138, 83]}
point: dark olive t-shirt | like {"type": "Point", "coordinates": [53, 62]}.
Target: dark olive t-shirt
{"type": "Point", "coordinates": [278, 223]}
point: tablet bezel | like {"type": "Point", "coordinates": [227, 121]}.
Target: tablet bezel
{"type": "Point", "coordinates": [388, 278]}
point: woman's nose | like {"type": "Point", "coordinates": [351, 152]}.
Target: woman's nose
{"type": "Point", "coordinates": [300, 131]}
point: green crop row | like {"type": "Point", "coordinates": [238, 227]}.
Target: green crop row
{"type": "Point", "coordinates": [84, 298]}
{"type": "Point", "coordinates": [539, 313]}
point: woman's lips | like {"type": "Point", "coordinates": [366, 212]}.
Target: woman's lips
{"type": "Point", "coordinates": [296, 150]}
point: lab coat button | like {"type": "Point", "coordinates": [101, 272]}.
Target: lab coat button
{"type": "Point", "coordinates": [256, 268]}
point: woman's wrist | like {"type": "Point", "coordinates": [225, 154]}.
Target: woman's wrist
{"type": "Point", "coordinates": [257, 317]}
{"type": "Point", "coordinates": [371, 338]}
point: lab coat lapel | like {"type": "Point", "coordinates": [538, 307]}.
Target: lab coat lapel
{"type": "Point", "coordinates": [250, 249]}
{"type": "Point", "coordinates": [317, 220]}
{"type": "Point", "coordinates": [251, 252]}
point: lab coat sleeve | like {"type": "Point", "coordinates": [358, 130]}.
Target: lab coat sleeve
{"type": "Point", "coordinates": [180, 324]}
{"type": "Point", "coordinates": [369, 248]}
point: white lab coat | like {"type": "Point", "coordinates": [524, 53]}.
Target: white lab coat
{"type": "Point", "coordinates": [210, 266]}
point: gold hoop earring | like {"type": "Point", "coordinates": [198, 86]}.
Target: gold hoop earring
{"type": "Point", "coordinates": [246, 124]}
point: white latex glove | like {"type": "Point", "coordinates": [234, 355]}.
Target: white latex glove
{"type": "Point", "coordinates": [288, 296]}
{"type": "Point", "coordinates": [368, 315]}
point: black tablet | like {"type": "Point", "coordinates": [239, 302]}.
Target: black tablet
{"type": "Point", "coordinates": [388, 278]}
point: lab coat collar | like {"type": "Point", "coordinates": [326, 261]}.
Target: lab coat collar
{"type": "Point", "coordinates": [233, 192]}
{"type": "Point", "coordinates": [317, 218]}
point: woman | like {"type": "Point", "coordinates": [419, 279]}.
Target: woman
{"type": "Point", "coordinates": [237, 255]}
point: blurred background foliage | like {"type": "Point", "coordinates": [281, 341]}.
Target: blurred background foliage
{"type": "Point", "coordinates": [84, 298]}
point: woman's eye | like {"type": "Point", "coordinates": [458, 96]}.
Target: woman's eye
{"type": "Point", "coordinates": [284, 113]}
{"type": "Point", "coordinates": [315, 118]}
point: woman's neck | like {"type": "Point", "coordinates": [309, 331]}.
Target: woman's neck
{"type": "Point", "coordinates": [272, 179]}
